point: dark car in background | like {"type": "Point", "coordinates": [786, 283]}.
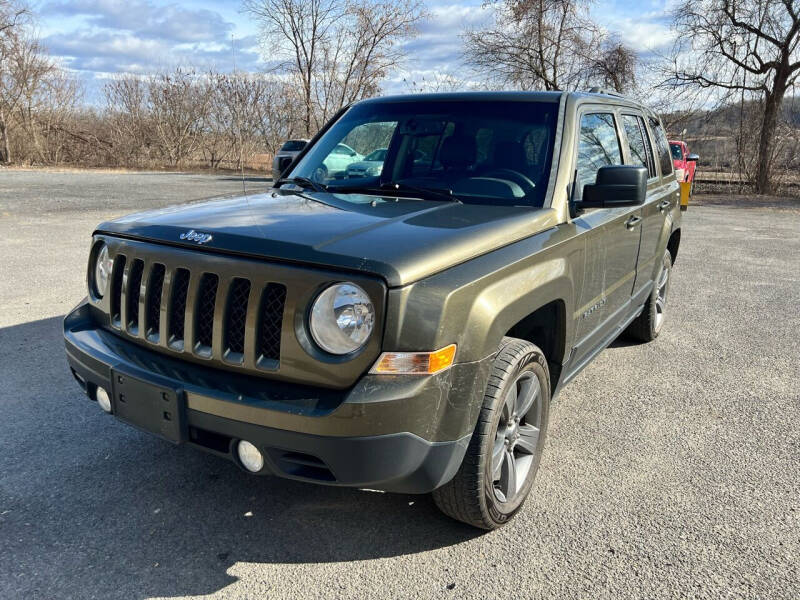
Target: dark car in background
{"type": "Point", "coordinates": [284, 157]}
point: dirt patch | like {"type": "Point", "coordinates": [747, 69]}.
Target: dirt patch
{"type": "Point", "coordinates": [739, 201]}
{"type": "Point", "coordinates": [133, 170]}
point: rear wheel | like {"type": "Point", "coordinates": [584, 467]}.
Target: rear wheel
{"type": "Point", "coordinates": [648, 325]}
{"type": "Point", "coordinates": [503, 456]}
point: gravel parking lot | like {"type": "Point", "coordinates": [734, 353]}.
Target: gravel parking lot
{"type": "Point", "coordinates": [672, 469]}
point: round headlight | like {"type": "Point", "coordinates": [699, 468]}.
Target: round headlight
{"type": "Point", "coordinates": [342, 318]}
{"type": "Point", "coordinates": [102, 269]}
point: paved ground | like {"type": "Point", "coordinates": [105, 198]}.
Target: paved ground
{"type": "Point", "coordinates": [672, 470]}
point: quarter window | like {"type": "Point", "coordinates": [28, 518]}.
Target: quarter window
{"type": "Point", "coordinates": [641, 153]}
{"type": "Point", "coordinates": [662, 146]}
{"type": "Point", "coordinates": [598, 146]}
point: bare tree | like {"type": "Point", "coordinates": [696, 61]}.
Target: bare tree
{"type": "Point", "coordinates": [179, 103]}
{"type": "Point", "coordinates": [614, 66]}
{"type": "Point", "coordinates": [14, 19]}
{"type": "Point", "coordinates": [127, 111]}
{"type": "Point", "coordinates": [742, 49]}
{"type": "Point", "coordinates": [437, 82]}
{"type": "Point", "coordinates": [548, 45]}
{"type": "Point", "coordinates": [248, 114]}
{"type": "Point", "coordinates": [364, 51]}
{"type": "Point", "coordinates": [36, 97]}
{"type": "Point", "coordinates": [278, 116]}
{"type": "Point", "coordinates": [337, 50]}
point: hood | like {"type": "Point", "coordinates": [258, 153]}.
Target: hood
{"type": "Point", "coordinates": [401, 240]}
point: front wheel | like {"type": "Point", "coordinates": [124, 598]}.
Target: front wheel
{"type": "Point", "coordinates": [503, 456]}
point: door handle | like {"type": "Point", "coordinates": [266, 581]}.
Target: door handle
{"type": "Point", "coordinates": [632, 222]}
{"type": "Point", "coordinates": [662, 205]}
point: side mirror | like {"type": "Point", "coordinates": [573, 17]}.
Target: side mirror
{"type": "Point", "coordinates": [617, 185]}
{"type": "Point", "coordinates": [693, 158]}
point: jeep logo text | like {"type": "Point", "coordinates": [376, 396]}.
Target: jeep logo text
{"type": "Point", "coordinates": [196, 236]}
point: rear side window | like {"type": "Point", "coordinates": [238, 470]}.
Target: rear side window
{"type": "Point", "coordinates": [662, 147]}
{"type": "Point", "coordinates": [598, 146]}
{"type": "Point", "coordinates": [639, 144]}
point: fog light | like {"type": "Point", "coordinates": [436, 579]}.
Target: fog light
{"type": "Point", "coordinates": [103, 399]}
{"type": "Point", "coordinates": [251, 458]}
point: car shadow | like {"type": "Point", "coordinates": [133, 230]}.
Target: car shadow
{"type": "Point", "coordinates": [623, 341]}
{"type": "Point", "coordinates": [92, 508]}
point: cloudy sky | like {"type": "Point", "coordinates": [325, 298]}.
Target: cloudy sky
{"type": "Point", "coordinates": [98, 38]}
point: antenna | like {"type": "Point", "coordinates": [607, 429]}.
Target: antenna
{"type": "Point", "coordinates": [238, 117]}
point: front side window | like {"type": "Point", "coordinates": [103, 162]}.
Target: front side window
{"type": "Point", "coordinates": [598, 146]}
{"type": "Point", "coordinates": [677, 151]}
{"type": "Point", "coordinates": [639, 145]}
{"type": "Point", "coordinates": [479, 151]}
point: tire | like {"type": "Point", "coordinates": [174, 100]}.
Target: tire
{"type": "Point", "coordinates": [648, 325]}
{"type": "Point", "coordinates": [477, 495]}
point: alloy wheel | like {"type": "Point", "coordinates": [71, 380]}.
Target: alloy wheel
{"type": "Point", "coordinates": [517, 437]}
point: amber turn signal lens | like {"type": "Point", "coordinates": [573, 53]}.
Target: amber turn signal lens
{"type": "Point", "coordinates": [414, 363]}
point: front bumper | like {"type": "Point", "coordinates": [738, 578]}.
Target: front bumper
{"type": "Point", "coordinates": [395, 433]}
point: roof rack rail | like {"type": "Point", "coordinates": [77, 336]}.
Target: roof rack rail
{"type": "Point", "coordinates": [607, 91]}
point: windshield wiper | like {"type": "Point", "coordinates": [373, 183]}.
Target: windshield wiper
{"type": "Point", "coordinates": [444, 193]}
{"type": "Point", "coordinates": [303, 182]}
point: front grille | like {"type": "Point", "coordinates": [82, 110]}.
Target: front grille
{"type": "Point", "coordinates": [180, 312]}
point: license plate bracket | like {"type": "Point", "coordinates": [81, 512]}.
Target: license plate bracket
{"type": "Point", "coordinates": [151, 407]}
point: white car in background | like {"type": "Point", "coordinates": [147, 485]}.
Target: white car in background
{"type": "Point", "coordinates": [335, 164]}
{"type": "Point", "coordinates": [371, 166]}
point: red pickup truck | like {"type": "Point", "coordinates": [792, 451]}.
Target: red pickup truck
{"type": "Point", "coordinates": [685, 163]}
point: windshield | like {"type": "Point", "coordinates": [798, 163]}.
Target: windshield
{"type": "Point", "coordinates": [487, 152]}
{"type": "Point", "coordinates": [676, 151]}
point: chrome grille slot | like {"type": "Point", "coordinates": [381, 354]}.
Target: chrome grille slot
{"type": "Point", "coordinates": [134, 290]}
{"type": "Point", "coordinates": [236, 319]}
{"type": "Point", "coordinates": [204, 314]}
{"type": "Point", "coordinates": [155, 287]}
{"type": "Point", "coordinates": [273, 299]}
{"type": "Point", "coordinates": [117, 271]}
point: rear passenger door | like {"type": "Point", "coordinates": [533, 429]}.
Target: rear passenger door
{"type": "Point", "coordinates": [639, 151]}
{"type": "Point", "coordinates": [662, 195]}
{"type": "Point", "coordinates": [612, 235]}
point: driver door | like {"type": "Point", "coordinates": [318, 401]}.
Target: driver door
{"type": "Point", "coordinates": [612, 237]}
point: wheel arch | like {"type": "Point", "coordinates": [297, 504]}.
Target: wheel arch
{"type": "Point", "coordinates": [546, 328]}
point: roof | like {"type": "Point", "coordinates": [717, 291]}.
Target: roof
{"type": "Point", "coordinates": [470, 97]}
{"type": "Point", "coordinates": [510, 96]}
